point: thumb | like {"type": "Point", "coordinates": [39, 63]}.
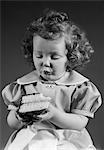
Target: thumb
{"type": "Point", "coordinates": [42, 97]}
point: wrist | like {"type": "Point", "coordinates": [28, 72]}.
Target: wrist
{"type": "Point", "coordinates": [52, 108]}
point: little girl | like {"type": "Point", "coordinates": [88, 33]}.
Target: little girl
{"type": "Point", "coordinates": [51, 106]}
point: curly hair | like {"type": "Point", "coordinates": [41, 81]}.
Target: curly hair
{"type": "Point", "coordinates": [53, 25]}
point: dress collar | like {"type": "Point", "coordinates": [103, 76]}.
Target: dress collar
{"type": "Point", "coordinates": [72, 78]}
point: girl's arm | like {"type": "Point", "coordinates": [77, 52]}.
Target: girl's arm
{"type": "Point", "coordinates": [13, 121]}
{"type": "Point", "coordinates": [67, 120]}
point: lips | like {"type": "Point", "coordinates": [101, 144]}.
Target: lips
{"type": "Point", "coordinates": [47, 71]}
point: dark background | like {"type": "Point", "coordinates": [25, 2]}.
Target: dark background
{"type": "Point", "coordinates": [15, 16]}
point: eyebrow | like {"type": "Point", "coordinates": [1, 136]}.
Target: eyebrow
{"type": "Point", "coordinates": [53, 52]}
{"type": "Point", "coordinates": [38, 51]}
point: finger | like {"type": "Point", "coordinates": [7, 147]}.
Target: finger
{"type": "Point", "coordinates": [35, 119]}
{"type": "Point", "coordinates": [42, 97]}
{"type": "Point", "coordinates": [46, 116]}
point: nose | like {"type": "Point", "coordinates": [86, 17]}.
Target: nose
{"type": "Point", "coordinates": [46, 62]}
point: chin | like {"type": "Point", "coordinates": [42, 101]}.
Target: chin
{"type": "Point", "coordinates": [49, 77]}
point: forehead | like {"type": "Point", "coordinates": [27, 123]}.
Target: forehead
{"type": "Point", "coordinates": [44, 45]}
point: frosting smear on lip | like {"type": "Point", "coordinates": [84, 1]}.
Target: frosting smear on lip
{"type": "Point", "coordinates": [46, 71]}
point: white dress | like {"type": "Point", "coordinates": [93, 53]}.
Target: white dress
{"type": "Point", "coordinates": [71, 94]}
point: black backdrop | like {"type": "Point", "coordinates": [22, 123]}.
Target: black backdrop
{"type": "Point", "coordinates": [16, 15]}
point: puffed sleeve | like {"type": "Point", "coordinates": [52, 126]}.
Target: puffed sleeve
{"type": "Point", "coordinates": [11, 95]}
{"type": "Point", "coordinates": [86, 99]}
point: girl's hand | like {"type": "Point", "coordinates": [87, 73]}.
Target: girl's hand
{"type": "Point", "coordinates": [46, 116]}
{"type": "Point", "coordinates": [49, 114]}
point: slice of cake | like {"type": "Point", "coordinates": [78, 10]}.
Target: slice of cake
{"type": "Point", "coordinates": [33, 105]}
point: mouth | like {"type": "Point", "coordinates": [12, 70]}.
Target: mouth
{"type": "Point", "coordinates": [46, 71]}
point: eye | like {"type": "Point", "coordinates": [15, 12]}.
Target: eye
{"type": "Point", "coordinates": [39, 56]}
{"type": "Point", "coordinates": [55, 57]}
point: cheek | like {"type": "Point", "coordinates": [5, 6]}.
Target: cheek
{"type": "Point", "coordinates": [60, 65]}
{"type": "Point", "coordinates": [34, 59]}
{"type": "Point", "coordinates": [36, 62]}
{"type": "Point", "coordinates": [63, 62]}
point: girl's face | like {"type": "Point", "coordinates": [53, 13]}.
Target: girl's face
{"type": "Point", "coordinates": [49, 57]}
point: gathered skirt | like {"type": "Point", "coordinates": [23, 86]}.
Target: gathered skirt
{"type": "Point", "coordinates": [44, 139]}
